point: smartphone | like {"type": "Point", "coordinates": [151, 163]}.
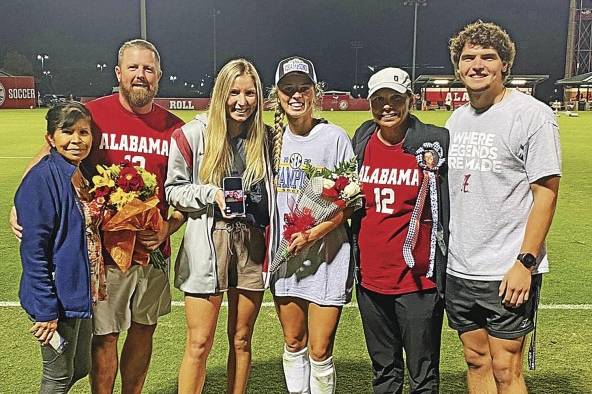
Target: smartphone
{"type": "Point", "coordinates": [58, 343]}
{"type": "Point", "coordinates": [234, 195]}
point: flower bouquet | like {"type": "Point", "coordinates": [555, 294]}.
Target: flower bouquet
{"type": "Point", "coordinates": [127, 197]}
{"type": "Point", "coordinates": [323, 195]}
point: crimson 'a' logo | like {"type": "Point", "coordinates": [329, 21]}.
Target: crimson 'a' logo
{"type": "Point", "coordinates": [465, 186]}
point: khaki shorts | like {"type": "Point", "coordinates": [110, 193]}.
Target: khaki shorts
{"type": "Point", "coordinates": [141, 295]}
{"type": "Point", "coordinates": [240, 251]}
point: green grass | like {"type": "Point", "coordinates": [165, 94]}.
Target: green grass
{"type": "Point", "coordinates": [564, 343]}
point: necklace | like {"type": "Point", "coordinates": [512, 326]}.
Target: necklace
{"type": "Point", "coordinates": [483, 109]}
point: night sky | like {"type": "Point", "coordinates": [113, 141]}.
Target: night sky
{"type": "Point", "coordinates": [79, 34]}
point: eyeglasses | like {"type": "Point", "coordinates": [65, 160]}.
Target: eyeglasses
{"type": "Point", "coordinates": [290, 90]}
{"type": "Point", "coordinates": [394, 100]}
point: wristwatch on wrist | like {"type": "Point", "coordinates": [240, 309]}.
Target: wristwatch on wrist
{"type": "Point", "coordinates": [527, 260]}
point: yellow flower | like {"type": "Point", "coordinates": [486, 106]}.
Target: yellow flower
{"type": "Point", "coordinates": [114, 169]}
{"type": "Point", "coordinates": [119, 198]}
{"type": "Point", "coordinates": [102, 180]}
{"type": "Point", "coordinates": [105, 178]}
{"type": "Point", "coordinates": [149, 179]}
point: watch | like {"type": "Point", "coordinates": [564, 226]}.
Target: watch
{"type": "Point", "coordinates": [527, 259]}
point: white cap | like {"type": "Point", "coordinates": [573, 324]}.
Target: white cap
{"type": "Point", "coordinates": [390, 78]}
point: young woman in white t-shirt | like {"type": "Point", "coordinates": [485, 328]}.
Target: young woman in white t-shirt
{"type": "Point", "coordinates": [312, 286]}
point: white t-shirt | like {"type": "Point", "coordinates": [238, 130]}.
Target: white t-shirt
{"type": "Point", "coordinates": [325, 274]}
{"type": "Point", "coordinates": [493, 158]}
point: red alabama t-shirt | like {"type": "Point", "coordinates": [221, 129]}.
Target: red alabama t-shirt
{"type": "Point", "coordinates": [390, 180]}
{"type": "Point", "coordinates": [119, 135]}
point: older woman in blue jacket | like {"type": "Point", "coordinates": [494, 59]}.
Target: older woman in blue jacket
{"type": "Point", "coordinates": [60, 249]}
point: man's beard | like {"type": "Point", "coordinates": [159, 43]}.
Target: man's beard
{"type": "Point", "coordinates": [138, 98]}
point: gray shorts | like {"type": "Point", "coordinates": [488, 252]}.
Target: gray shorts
{"type": "Point", "coordinates": [240, 251]}
{"type": "Point", "coordinates": [475, 304]}
{"type": "Point", "coordinates": [141, 295]}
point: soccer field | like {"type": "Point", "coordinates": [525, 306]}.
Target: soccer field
{"type": "Point", "coordinates": [564, 340]}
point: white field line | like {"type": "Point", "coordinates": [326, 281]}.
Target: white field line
{"type": "Point", "coordinates": [15, 304]}
{"type": "Point", "coordinates": [16, 157]}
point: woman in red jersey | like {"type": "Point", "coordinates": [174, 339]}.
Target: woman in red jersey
{"type": "Point", "coordinates": [399, 237]}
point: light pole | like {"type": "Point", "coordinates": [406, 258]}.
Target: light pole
{"type": "Point", "coordinates": [101, 66]}
{"type": "Point", "coordinates": [143, 19]}
{"type": "Point", "coordinates": [215, 12]}
{"type": "Point", "coordinates": [48, 75]}
{"type": "Point", "coordinates": [356, 45]}
{"type": "Point", "coordinates": [42, 58]}
{"type": "Point", "coordinates": [415, 4]}
{"type": "Point", "coordinates": [172, 78]}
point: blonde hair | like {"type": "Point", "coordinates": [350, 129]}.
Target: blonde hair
{"type": "Point", "coordinates": [218, 158]}
{"type": "Point", "coordinates": [277, 132]}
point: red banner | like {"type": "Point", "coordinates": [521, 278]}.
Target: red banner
{"type": "Point", "coordinates": [17, 92]}
{"type": "Point", "coordinates": [444, 97]}
{"type": "Point", "coordinates": [197, 104]}
{"type": "Point", "coordinates": [344, 102]}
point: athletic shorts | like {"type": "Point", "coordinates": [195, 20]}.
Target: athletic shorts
{"type": "Point", "coordinates": [240, 251]}
{"type": "Point", "coordinates": [475, 304]}
{"type": "Point", "coordinates": [141, 295]}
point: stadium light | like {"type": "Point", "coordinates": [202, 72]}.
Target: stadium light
{"type": "Point", "coordinates": [356, 45]}
{"type": "Point", "coordinates": [101, 66]}
{"type": "Point", "coordinates": [518, 82]}
{"type": "Point", "coordinates": [173, 78]}
{"type": "Point", "coordinates": [42, 58]}
{"type": "Point", "coordinates": [441, 81]}
{"type": "Point", "coordinates": [415, 4]}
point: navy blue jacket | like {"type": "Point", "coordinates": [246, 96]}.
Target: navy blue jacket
{"type": "Point", "coordinates": [56, 271]}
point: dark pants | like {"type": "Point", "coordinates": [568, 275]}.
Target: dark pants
{"type": "Point", "coordinates": [61, 371]}
{"type": "Point", "coordinates": [412, 322]}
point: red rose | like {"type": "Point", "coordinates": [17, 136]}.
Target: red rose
{"type": "Point", "coordinates": [102, 191]}
{"type": "Point", "coordinates": [330, 193]}
{"type": "Point", "coordinates": [126, 163]}
{"type": "Point", "coordinates": [297, 222]}
{"type": "Point", "coordinates": [130, 180]}
{"type": "Point", "coordinates": [340, 203]}
{"type": "Point", "coordinates": [341, 182]}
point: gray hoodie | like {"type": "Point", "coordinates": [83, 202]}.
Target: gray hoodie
{"type": "Point", "coordinates": [195, 266]}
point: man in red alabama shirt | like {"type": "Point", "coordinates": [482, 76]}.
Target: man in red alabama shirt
{"type": "Point", "coordinates": [130, 126]}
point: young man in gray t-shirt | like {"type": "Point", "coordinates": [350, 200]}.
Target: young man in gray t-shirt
{"type": "Point", "coordinates": [504, 168]}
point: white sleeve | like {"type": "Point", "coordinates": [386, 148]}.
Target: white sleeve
{"type": "Point", "coordinates": [180, 190]}
{"type": "Point", "coordinates": [543, 152]}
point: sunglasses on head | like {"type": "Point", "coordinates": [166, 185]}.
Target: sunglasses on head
{"type": "Point", "coordinates": [290, 90]}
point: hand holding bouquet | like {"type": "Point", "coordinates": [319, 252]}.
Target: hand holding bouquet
{"type": "Point", "coordinates": [128, 198]}
{"type": "Point", "coordinates": [326, 194]}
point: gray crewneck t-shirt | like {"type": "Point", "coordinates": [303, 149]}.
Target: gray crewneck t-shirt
{"type": "Point", "coordinates": [494, 156]}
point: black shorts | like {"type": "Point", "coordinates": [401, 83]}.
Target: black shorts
{"type": "Point", "coordinates": [475, 304]}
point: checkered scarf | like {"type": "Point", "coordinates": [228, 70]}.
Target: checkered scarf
{"type": "Point", "coordinates": [428, 186]}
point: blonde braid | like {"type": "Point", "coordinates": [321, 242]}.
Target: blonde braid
{"type": "Point", "coordinates": [278, 135]}
{"type": "Point", "coordinates": [278, 127]}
